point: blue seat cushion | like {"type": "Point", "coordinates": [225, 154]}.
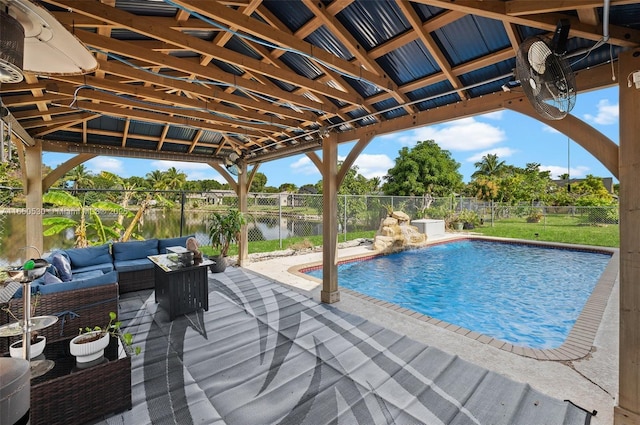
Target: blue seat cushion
{"type": "Point", "coordinates": [168, 242]}
{"type": "Point", "coordinates": [134, 250]}
{"type": "Point", "coordinates": [89, 256]}
{"type": "Point", "coordinates": [83, 280]}
{"type": "Point", "coordinates": [133, 265]}
{"type": "Point", "coordinates": [35, 286]}
{"type": "Point", "coordinates": [104, 268]}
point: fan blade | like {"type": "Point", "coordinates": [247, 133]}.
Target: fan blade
{"type": "Point", "coordinates": [234, 169]}
{"type": "Point", "coordinates": [537, 56]}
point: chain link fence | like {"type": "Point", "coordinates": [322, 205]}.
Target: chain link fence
{"type": "Point", "coordinates": [281, 217]}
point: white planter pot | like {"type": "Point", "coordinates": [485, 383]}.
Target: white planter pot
{"type": "Point", "coordinates": [88, 351]}
{"type": "Point", "coordinates": [15, 349]}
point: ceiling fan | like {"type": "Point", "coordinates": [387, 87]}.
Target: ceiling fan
{"type": "Point", "coordinates": [545, 74]}
{"type": "Point", "coordinates": [231, 163]}
{"type": "Point", "coordinates": [32, 40]}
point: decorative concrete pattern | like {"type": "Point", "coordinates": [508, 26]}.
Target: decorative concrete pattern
{"type": "Point", "coordinates": [264, 354]}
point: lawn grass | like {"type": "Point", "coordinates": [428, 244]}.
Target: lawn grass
{"type": "Point", "coordinates": [295, 242]}
{"type": "Point", "coordinates": [555, 228]}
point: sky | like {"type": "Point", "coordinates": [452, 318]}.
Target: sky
{"type": "Point", "coordinates": [515, 138]}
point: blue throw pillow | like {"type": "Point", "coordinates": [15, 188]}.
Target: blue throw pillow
{"type": "Point", "coordinates": [48, 279]}
{"type": "Point", "coordinates": [62, 264]}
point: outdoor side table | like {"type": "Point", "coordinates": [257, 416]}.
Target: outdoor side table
{"type": "Point", "coordinates": [68, 395]}
{"type": "Point", "coordinates": [180, 289]}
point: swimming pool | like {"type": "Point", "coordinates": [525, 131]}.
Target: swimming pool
{"type": "Point", "coordinates": [526, 295]}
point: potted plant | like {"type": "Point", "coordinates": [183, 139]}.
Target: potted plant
{"type": "Point", "coordinates": [534, 216]}
{"type": "Point", "coordinates": [469, 219]}
{"type": "Point", "coordinates": [89, 345]}
{"type": "Point", "coordinates": [224, 229]}
{"type": "Point", "coordinates": [38, 342]}
{"type": "Point", "coordinates": [454, 221]}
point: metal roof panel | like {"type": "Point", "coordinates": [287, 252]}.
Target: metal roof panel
{"type": "Point", "coordinates": [324, 39]}
{"type": "Point", "coordinates": [373, 22]}
{"type": "Point", "coordinates": [471, 37]}
{"type": "Point", "coordinates": [408, 63]}
{"type": "Point", "coordinates": [293, 14]}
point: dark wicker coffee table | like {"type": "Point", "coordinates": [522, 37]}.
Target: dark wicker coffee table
{"type": "Point", "coordinates": [68, 395]}
{"type": "Point", "coordinates": [180, 289]}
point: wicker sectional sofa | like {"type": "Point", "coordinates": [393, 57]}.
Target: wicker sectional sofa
{"type": "Point", "coordinates": [127, 259]}
{"type": "Point", "coordinates": [96, 277]}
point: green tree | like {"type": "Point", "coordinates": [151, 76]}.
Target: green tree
{"type": "Point", "coordinates": [155, 180]}
{"type": "Point", "coordinates": [80, 177]}
{"type": "Point", "coordinates": [375, 183]}
{"type": "Point", "coordinates": [258, 183]}
{"type": "Point", "coordinates": [354, 183]}
{"type": "Point", "coordinates": [535, 183]}
{"type": "Point", "coordinates": [489, 166]}
{"type": "Point", "coordinates": [174, 179]}
{"type": "Point", "coordinates": [424, 169]}
{"type": "Point", "coordinates": [287, 187]}
{"type": "Point", "coordinates": [591, 192]}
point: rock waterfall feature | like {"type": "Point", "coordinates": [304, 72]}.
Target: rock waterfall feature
{"type": "Point", "coordinates": [396, 233]}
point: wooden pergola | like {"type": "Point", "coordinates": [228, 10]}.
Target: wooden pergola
{"type": "Point", "coordinates": [191, 80]}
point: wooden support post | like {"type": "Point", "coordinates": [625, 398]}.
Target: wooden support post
{"type": "Point", "coordinates": [243, 243]}
{"type": "Point", "coordinates": [627, 412]}
{"type": "Point", "coordinates": [33, 192]}
{"type": "Point", "coordinates": [330, 293]}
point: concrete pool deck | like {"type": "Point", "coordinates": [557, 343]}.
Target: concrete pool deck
{"type": "Point", "coordinates": [589, 380]}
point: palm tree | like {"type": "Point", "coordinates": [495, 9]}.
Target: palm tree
{"type": "Point", "coordinates": [489, 166]}
{"type": "Point", "coordinates": [375, 183]}
{"type": "Point", "coordinates": [156, 180]}
{"type": "Point", "coordinates": [174, 179]}
{"type": "Point", "coordinates": [81, 177]}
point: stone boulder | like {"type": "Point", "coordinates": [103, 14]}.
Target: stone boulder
{"type": "Point", "coordinates": [395, 234]}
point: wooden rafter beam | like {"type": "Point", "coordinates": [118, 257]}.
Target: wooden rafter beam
{"type": "Point", "coordinates": [431, 45]}
{"type": "Point", "coordinates": [190, 67]}
{"type": "Point", "coordinates": [139, 24]}
{"type": "Point", "coordinates": [619, 36]}
{"type": "Point", "coordinates": [532, 7]}
{"type": "Point", "coordinates": [160, 102]}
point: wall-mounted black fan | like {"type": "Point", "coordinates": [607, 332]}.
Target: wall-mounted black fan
{"type": "Point", "coordinates": [231, 164]}
{"type": "Point", "coordinates": [545, 75]}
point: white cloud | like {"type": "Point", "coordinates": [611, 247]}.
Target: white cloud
{"type": "Point", "coordinates": [466, 134]}
{"type": "Point", "coordinates": [374, 165]}
{"type": "Point", "coordinates": [557, 170]}
{"type": "Point", "coordinates": [607, 114]}
{"type": "Point", "coordinates": [368, 165]}
{"type": "Point", "coordinates": [305, 167]}
{"type": "Point", "coordinates": [112, 165]}
{"type": "Point", "coordinates": [501, 152]}
{"type": "Point", "coordinates": [548, 129]}
{"type": "Point", "coordinates": [495, 115]}
{"type": "Point", "coordinates": [193, 170]}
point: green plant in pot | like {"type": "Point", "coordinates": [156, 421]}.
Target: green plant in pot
{"type": "Point", "coordinates": [37, 342]}
{"type": "Point", "coordinates": [224, 229]}
{"type": "Point", "coordinates": [89, 345]}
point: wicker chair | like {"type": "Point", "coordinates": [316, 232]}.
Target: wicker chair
{"type": "Point", "coordinates": [76, 308]}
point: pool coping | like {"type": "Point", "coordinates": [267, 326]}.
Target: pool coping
{"type": "Point", "coordinates": [579, 341]}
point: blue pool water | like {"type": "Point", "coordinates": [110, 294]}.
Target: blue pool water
{"type": "Point", "coordinates": [527, 295]}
